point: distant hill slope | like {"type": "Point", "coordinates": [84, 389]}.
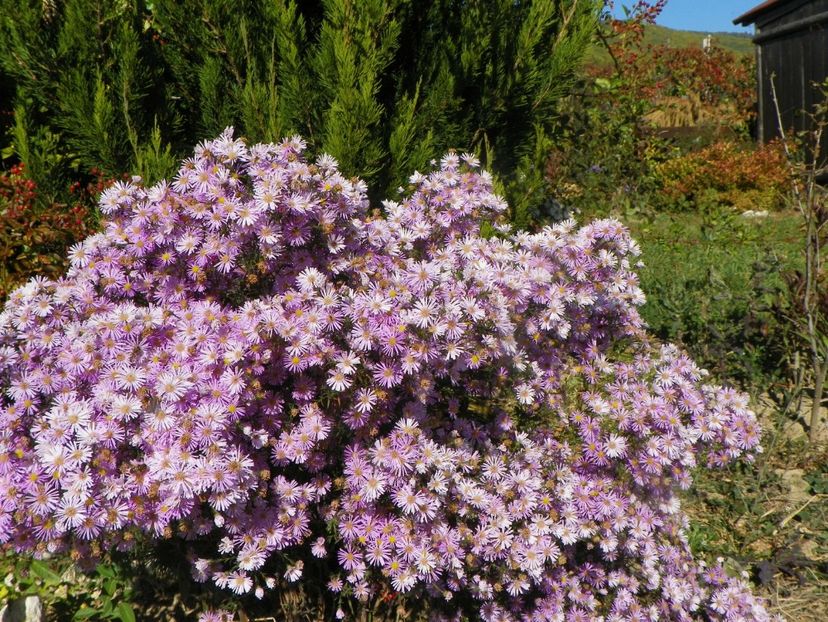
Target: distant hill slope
{"type": "Point", "coordinates": [733, 41]}
{"type": "Point", "coordinates": [660, 35]}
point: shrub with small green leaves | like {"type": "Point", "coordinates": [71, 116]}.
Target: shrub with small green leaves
{"type": "Point", "coordinates": [66, 593]}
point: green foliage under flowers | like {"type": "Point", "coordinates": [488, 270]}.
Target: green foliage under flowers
{"type": "Point", "coordinates": [67, 594]}
{"type": "Point", "coordinates": [151, 583]}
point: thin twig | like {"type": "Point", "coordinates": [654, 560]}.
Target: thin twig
{"type": "Point", "coordinates": [793, 514]}
{"type": "Point", "coordinates": [807, 206]}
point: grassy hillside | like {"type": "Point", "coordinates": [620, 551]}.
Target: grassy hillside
{"type": "Point", "coordinates": [735, 42]}
{"type": "Point", "coordinates": [660, 35]}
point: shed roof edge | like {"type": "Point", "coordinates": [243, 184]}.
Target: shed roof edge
{"type": "Point", "coordinates": [750, 17]}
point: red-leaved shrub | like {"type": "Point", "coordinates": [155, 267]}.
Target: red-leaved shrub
{"type": "Point", "coordinates": [746, 178]}
{"type": "Point", "coordinates": [35, 232]}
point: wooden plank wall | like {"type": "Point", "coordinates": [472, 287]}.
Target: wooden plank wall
{"type": "Point", "coordinates": [796, 59]}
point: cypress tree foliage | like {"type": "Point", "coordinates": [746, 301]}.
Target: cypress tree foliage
{"type": "Point", "coordinates": [85, 88]}
{"type": "Point", "coordinates": [382, 85]}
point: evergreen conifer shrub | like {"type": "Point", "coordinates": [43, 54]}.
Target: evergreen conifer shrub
{"type": "Point", "coordinates": [382, 85]}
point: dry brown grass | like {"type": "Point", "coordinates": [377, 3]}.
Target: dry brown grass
{"type": "Point", "coordinates": [770, 519]}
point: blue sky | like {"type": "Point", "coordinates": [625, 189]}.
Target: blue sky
{"type": "Point", "coordinates": [704, 15]}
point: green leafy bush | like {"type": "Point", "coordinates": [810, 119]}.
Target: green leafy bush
{"type": "Point", "coordinates": [67, 594]}
{"type": "Point", "coordinates": [87, 88]}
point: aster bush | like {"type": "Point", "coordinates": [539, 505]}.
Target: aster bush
{"type": "Point", "coordinates": [252, 360]}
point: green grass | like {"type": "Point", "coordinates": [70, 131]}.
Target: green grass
{"type": "Point", "coordinates": [714, 285]}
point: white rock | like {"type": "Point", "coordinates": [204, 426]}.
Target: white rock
{"type": "Point", "coordinates": [793, 482]}
{"type": "Point", "coordinates": [28, 609]}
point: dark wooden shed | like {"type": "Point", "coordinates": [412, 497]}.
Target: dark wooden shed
{"type": "Point", "coordinates": [792, 47]}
